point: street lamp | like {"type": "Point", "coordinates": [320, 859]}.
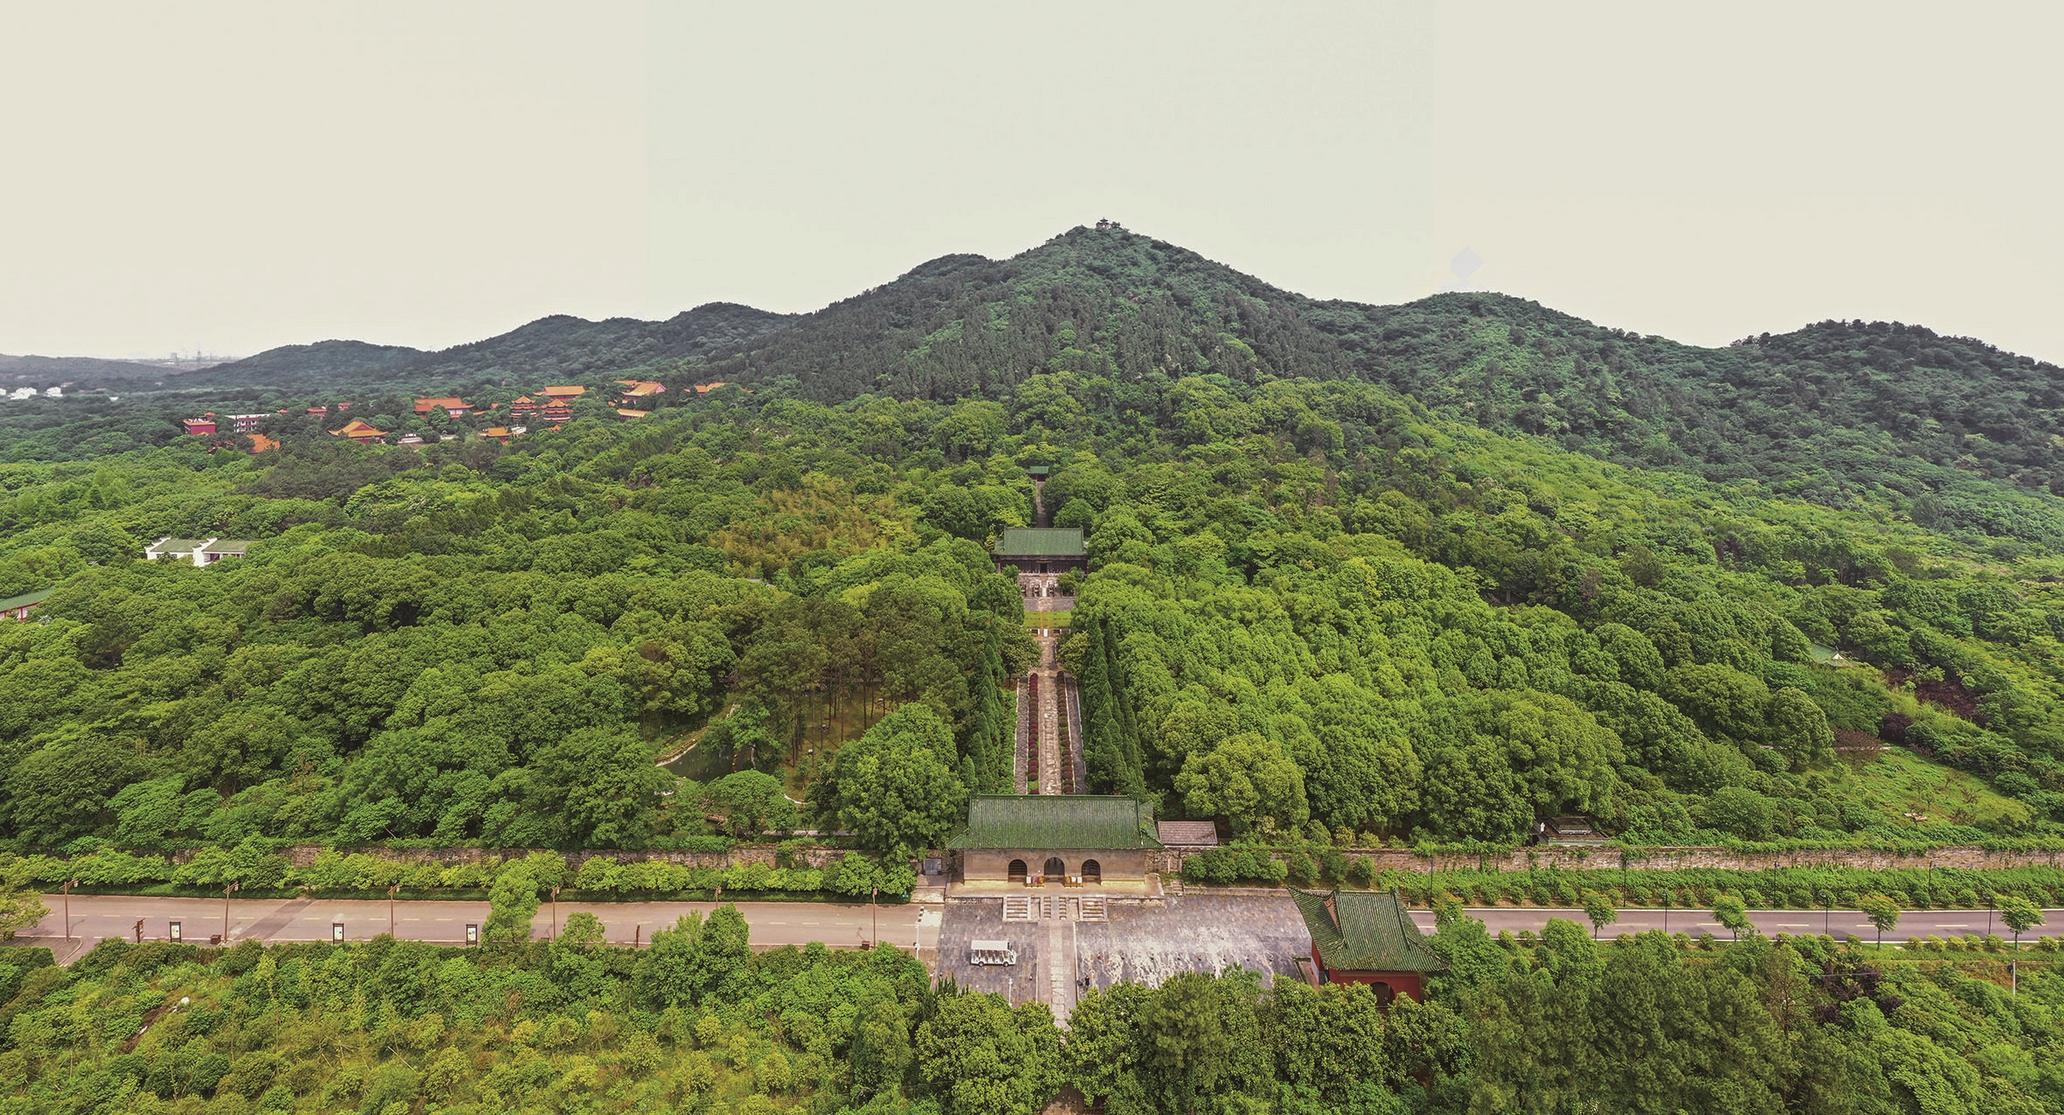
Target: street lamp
{"type": "Point", "coordinates": [392, 890]}
{"type": "Point", "coordinates": [66, 890]}
{"type": "Point", "coordinates": [555, 911]}
{"type": "Point", "coordinates": [874, 910]}
{"type": "Point", "coordinates": [227, 890]}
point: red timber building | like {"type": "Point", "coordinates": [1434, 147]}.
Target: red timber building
{"type": "Point", "coordinates": [1368, 937]}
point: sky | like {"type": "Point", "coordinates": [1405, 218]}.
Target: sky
{"type": "Point", "coordinates": [230, 176]}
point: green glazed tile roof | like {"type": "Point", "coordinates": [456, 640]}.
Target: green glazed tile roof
{"type": "Point", "coordinates": [1008, 821]}
{"type": "Point", "coordinates": [1371, 932]}
{"type": "Point", "coordinates": [36, 597]}
{"type": "Point", "coordinates": [1036, 542]}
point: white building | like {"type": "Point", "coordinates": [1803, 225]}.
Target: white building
{"type": "Point", "coordinates": [198, 551]}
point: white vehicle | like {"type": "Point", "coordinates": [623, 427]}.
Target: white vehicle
{"type": "Point", "coordinates": [991, 952]}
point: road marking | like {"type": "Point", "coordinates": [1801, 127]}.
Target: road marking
{"type": "Point", "coordinates": [1951, 925]}
{"type": "Point", "coordinates": [1793, 925]}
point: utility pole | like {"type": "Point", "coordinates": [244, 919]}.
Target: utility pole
{"type": "Point", "coordinates": [66, 890]}
{"type": "Point", "coordinates": [555, 911]}
{"type": "Point", "coordinates": [392, 890]}
{"type": "Point", "coordinates": [227, 890]}
{"type": "Point", "coordinates": [874, 910]}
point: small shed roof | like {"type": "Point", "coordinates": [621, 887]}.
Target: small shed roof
{"type": "Point", "coordinates": [229, 546]}
{"type": "Point", "coordinates": [175, 545]}
{"type": "Point", "coordinates": [1194, 834]}
{"type": "Point", "coordinates": [999, 822]}
{"type": "Point", "coordinates": [1365, 930]}
{"type": "Point", "coordinates": [1038, 542]}
{"type": "Point", "coordinates": [36, 597]}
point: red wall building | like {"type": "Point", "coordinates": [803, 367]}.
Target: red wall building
{"type": "Point", "coordinates": [1367, 937]}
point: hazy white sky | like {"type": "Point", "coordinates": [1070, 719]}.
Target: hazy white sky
{"type": "Point", "coordinates": [239, 175]}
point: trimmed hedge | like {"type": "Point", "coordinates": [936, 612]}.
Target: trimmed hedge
{"type": "Point", "coordinates": [332, 872]}
{"type": "Point", "coordinates": [1686, 888]}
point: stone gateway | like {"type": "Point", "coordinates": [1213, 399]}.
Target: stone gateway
{"type": "Point", "coordinates": [1056, 839]}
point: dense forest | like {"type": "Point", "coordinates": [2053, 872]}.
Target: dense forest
{"type": "Point", "coordinates": [1316, 611]}
{"type": "Point", "coordinates": [698, 1022]}
{"type": "Point", "coordinates": [1425, 575]}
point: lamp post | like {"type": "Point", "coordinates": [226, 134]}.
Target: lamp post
{"type": "Point", "coordinates": [392, 890]}
{"type": "Point", "coordinates": [66, 890]}
{"type": "Point", "coordinates": [874, 910]}
{"type": "Point", "coordinates": [555, 911]}
{"type": "Point", "coordinates": [227, 890]}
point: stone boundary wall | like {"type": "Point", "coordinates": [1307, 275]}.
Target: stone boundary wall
{"type": "Point", "coordinates": [1605, 856]}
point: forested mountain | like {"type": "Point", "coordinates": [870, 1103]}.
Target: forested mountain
{"type": "Point", "coordinates": [356, 361]}
{"type": "Point", "coordinates": [1358, 574]}
{"type": "Point", "coordinates": [1949, 431]}
{"type": "Point", "coordinates": [558, 348]}
{"type": "Point", "coordinates": [1315, 612]}
{"type": "Point", "coordinates": [44, 371]}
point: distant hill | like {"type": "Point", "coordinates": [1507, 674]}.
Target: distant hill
{"type": "Point", "coordinates": [50, 370]}
{"type": "Point", "coordinates": [560, 346]}
{"type": "Point", "coordinates": [356, 359]}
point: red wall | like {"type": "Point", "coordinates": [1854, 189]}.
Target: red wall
{"type": "Point", "coordinates": [1400, 983]}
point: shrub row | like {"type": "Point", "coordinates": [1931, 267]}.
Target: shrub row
{"type": "Point", "coordinates": [254, 868]}
{"type": "Point", "coordinates": [1775, 888]}
{"type": "Point", "coordinates": [1686, 888]}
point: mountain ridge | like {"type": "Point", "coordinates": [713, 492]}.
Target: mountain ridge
{"type": "Point", "coordinates": [1951, 430]}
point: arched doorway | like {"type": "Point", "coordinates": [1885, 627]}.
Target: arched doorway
{"type": "Point", "coordinates": [1384, 992]}
{"type": "Point", "coordinates": [1055, 869]}
{"type": "Point", "coordinates": [1092, 871]}
{"type": "Point", "coordinates": [1017, 871]}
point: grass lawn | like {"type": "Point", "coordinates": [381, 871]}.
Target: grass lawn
{"type": "Point", "coordinates": [1900, 782]}
{"type": "Point", "coordinates": [1048, 619]}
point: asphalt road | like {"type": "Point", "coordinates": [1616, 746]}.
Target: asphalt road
{"type": "Point", "coordinates": [1840, 923]}
{"type": "Point", "coordinates": [94, 916]}
{"type": "Point", "coordinates": [773, 924]}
